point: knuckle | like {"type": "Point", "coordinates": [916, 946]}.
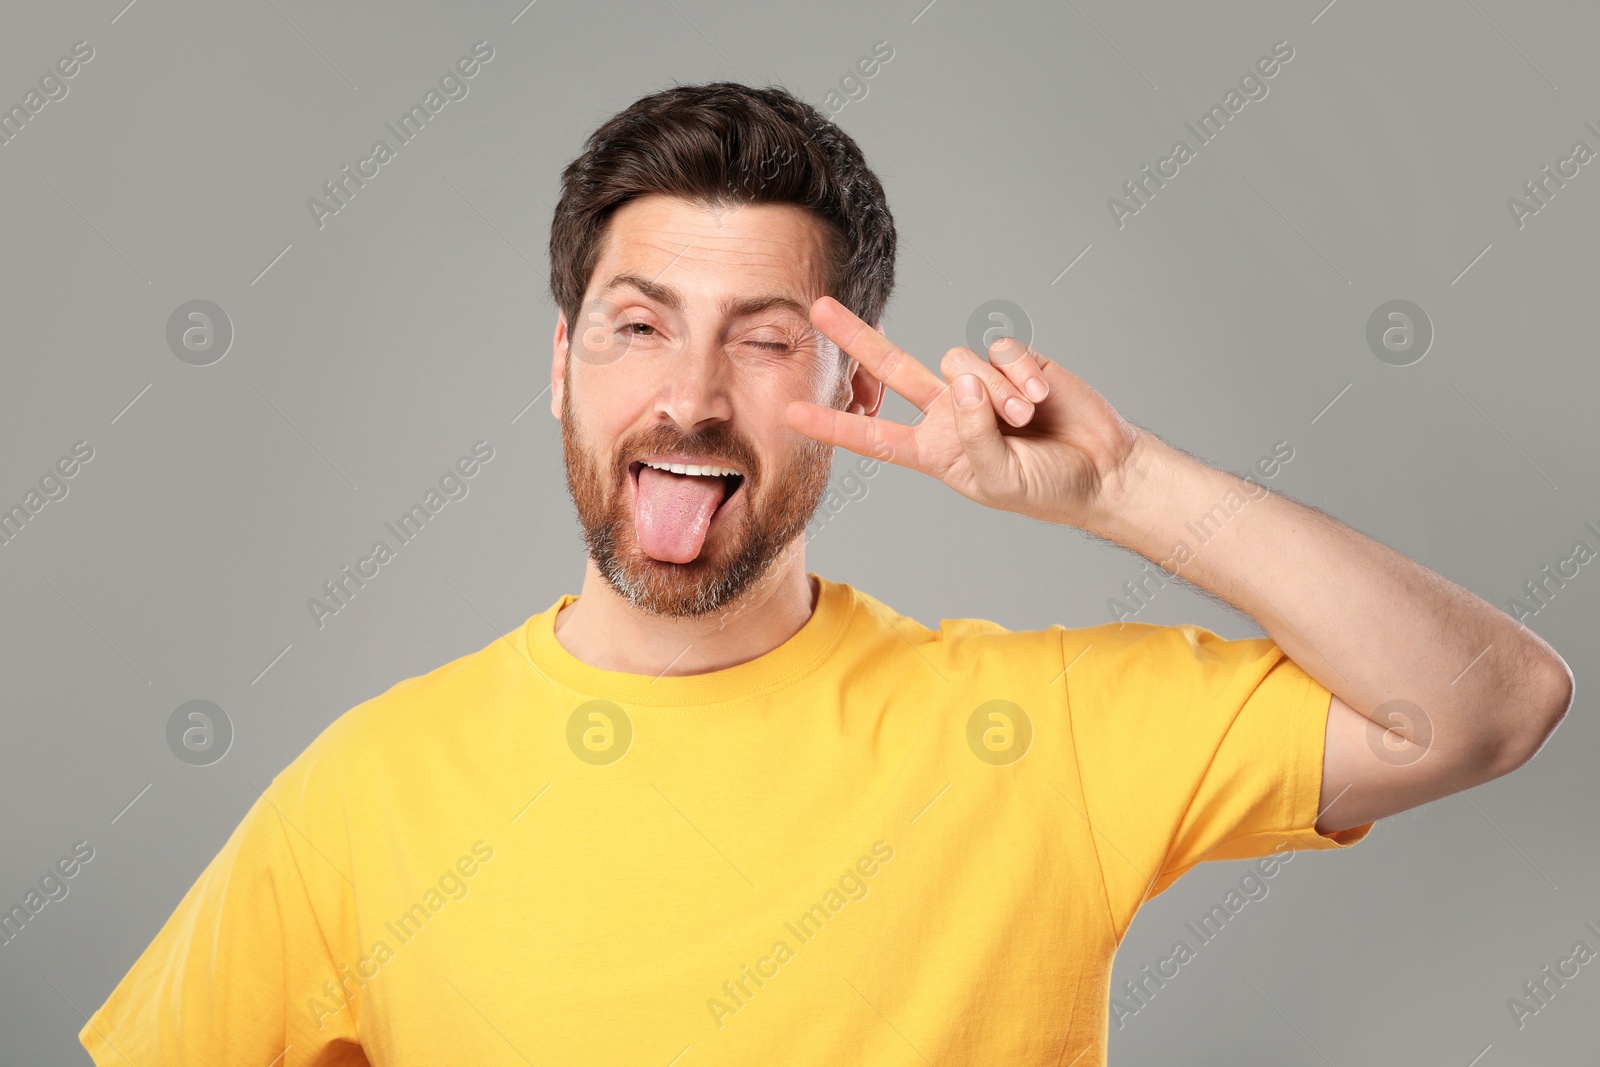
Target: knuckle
{"type": "Point", "coordinates": [1014, 358]}
{"type": "Point", "coordinates": [958, 358]}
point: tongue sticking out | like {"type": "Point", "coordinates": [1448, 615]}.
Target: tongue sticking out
{"type": "Point", "coordinates": [673, 513]}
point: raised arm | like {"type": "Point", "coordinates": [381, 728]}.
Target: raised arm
{"type": "Point", "coordinates": [1434, 689]}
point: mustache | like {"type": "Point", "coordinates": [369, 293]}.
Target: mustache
{"type": "Point", "coordinates": [718, 449]}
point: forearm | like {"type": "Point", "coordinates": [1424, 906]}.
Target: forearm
{"type": "Point", "coordinates": [1369, 624]}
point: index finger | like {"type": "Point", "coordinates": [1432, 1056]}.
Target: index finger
{"type": "Point", "coordinates": [887, 361]}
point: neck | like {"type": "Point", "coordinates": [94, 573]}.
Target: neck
{"type": "Point", "coordinates": [604, 630]}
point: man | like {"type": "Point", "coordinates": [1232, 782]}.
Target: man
{"type": "Point", "coordinates": [719, 809]}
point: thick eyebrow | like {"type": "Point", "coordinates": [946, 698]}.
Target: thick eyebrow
{"type": "Point", "coordinates": [669, 297]}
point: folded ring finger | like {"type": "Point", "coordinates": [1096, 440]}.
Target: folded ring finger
{"type": "Point", "coordinates": [1006, 396]}
{"type": "Point", "coordinates": [1020, 364]}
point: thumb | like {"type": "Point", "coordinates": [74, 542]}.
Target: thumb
{"type": "Point", "coordinates": [979, 431]}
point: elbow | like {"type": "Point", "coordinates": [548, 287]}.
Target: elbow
{"type": "Point", "coordinates": [1547, 698]}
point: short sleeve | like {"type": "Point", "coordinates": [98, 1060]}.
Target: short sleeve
{"type": "Point", "coordinates": [235, 974]}
{"type": "Point", "coordinates": [1192, 748]}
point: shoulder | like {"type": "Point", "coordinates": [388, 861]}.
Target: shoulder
{"type": "Point", "coordinates": [1121, 644]}
{"type": "Point", "coordinates": [1144, 669]}
{"type": "Point", "coordinates": [1112, 640]}
{"type": "Point", "coordinates": [420, 718]}
{"type": "Point", "coordinates": [968, 638]}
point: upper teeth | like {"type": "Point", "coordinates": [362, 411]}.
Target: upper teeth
{"type": "Point", "coordinates": [692, 468]}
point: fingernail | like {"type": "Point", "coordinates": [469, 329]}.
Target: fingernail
{"type": "Point", "coordinates": [969, 391]}
{"type": "Point", "coordinates": [1036, 389]}
{"type": "Point", "coordinates": [1017, 411]}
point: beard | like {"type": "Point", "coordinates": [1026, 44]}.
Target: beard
{"type": "Point", "coordinates": [736, 555]}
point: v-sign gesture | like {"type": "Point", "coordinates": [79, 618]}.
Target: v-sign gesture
{"type": "Point", "coordinates": [1050, 459]}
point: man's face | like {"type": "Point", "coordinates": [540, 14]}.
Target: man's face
{"type": "Point", "coordinates": [675, 359]}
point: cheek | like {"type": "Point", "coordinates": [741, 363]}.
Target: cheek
{"type": "Point", "coordinates": [606, 402]}
{"type": "Point", "coordinates": [815, 376]}
{"type": "Point", "coordinates": [763, 399]}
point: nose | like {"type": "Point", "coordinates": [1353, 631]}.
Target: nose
{"type": "Point", "coordinates": [694, 387]}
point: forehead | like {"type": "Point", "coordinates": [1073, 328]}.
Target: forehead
{"type": "Point", "coordinates": [738, 250]}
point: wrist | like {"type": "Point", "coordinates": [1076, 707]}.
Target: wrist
{"type": "Point", "coordinates": [1134, 498]}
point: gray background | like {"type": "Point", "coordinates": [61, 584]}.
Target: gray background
{"type": "Point", "coordinates": [1226, 315]}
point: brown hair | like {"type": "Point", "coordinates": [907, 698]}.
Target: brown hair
{"type": "Point", "coordinates": [726, 143]}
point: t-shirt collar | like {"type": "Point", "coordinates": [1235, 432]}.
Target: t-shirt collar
{"type": "Point", "coordinates": [769, 672]}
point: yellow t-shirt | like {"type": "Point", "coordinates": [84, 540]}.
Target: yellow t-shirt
{"type": "Point", "coordinates": [877, 843]}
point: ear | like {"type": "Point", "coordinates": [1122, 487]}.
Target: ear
{"type": "Point", "coordinates": [558, 364]}
{"type": "Point", "coordinates": [866, 392]}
